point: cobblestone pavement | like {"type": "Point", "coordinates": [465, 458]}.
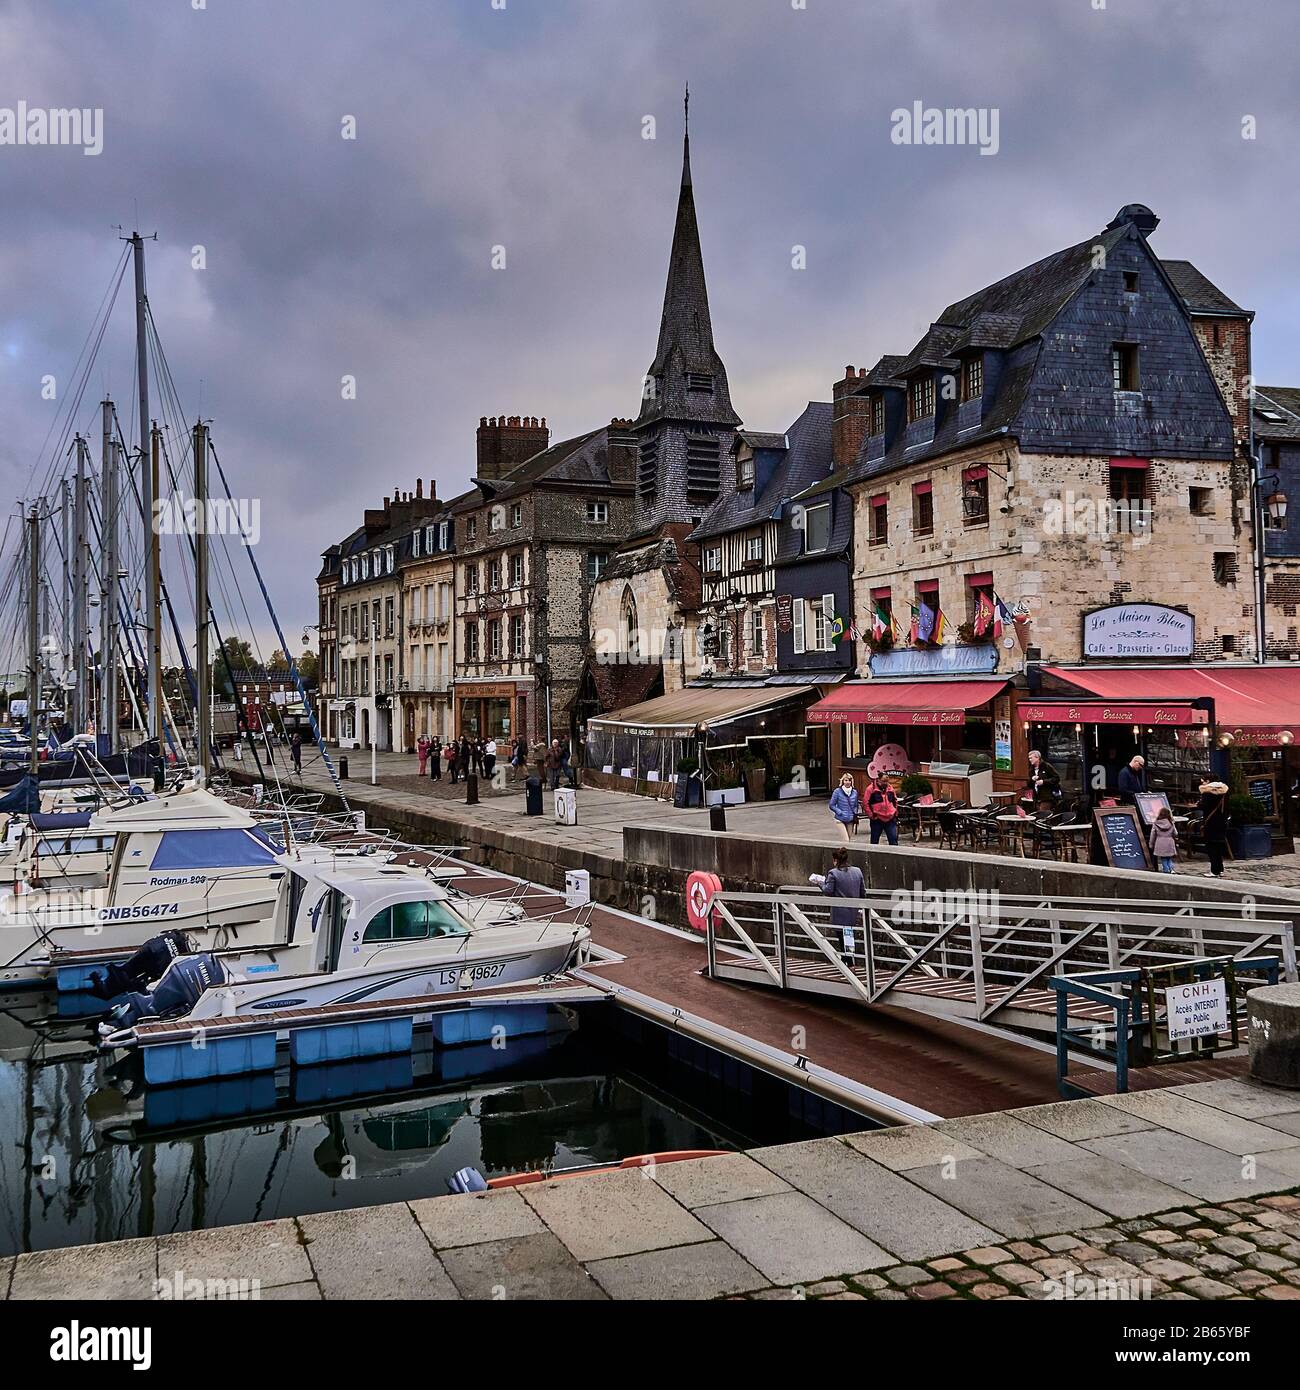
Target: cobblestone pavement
{"type": "Point", "coordinates": [1241, 1250]}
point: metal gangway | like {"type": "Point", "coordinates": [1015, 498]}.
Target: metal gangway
{"type": "Point", "coordinates": [987, 957]}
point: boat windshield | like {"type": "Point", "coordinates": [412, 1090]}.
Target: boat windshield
{"type": "Point", "coordinates": [414, 921]}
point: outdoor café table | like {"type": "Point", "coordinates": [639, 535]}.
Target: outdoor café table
{"type": "Point", "coordinates": [1071, 835]}
{"type": "Point", "coordinates": [927, 811]}
{"type": "Point", "coordinates": [1002, 796]}
{"type": "Point", "coordinates": [1021, 823]}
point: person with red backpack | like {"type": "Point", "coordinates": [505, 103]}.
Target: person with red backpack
{"type": "Point", "coordinates": [882, 811]}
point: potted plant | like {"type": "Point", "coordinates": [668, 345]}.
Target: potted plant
{"type": "Point", "coordinates": [882, 643]}
{"type": "Point", "coordinates": [967, 634]}
{"type": "Point", "coordinates": [753, 770]}
{"type": "Point", "coordinates": [686, 790]}
{"type": "Point", "coordinates": [913, 784]}
{"type": "Point", "coordinates": [1249, 833]}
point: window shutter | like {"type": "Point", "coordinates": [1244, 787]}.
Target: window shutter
{"type": "Point", "coordinates": [798, 626]}
{"type": "Point", "coordinates": [828, 612]}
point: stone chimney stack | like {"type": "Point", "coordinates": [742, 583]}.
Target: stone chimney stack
{"type": "Point", "coordinates": [504, 442]}
{"type": "Point", "coordinates": [850, 417]}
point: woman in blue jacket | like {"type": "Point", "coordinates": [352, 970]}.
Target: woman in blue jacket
{"type": "Point", "coordinates": [846, 806]}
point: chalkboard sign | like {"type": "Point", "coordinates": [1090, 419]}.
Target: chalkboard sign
{"type": "Point", "coordinates": [1264, 789]}
{"type": "Point", "coordinates": [1119, 838]}
{"type": "Point", "coordinates": [1149, 805]}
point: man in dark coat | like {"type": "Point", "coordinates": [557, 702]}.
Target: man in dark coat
{"type": "Point", "coordinates": [1132, 780]}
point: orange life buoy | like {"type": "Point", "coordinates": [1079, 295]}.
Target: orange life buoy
{"type": "Point", "coordinates": [700, 890]}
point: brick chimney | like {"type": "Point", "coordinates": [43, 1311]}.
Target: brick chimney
{"type": "Point", "coordinates": [504, 442]}
{"type": "Point", "coordinates": [850, 417]}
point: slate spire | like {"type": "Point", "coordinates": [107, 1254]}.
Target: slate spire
{"type": "Point", "coordinates": [687, 380]}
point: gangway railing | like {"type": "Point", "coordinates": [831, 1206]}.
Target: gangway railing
{"type": "Point", "coordinates": [979, 955]}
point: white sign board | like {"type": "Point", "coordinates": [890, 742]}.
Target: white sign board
{"type": "Point", "coordinates": [1138, 629]}
{"type": "Point", "coordinates": [577, 888]}
{"type": "Point", "coordinates": [566, 806]}
{"type": "Point", "coordinates": [1198, 1010]}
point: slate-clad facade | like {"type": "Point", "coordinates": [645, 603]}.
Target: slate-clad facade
{"type": "Point", "coordinates": [1276, 412]}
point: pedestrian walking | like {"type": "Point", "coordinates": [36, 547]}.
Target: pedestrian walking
{"type": "Point", "coordinates": [553, 763]}
{"type": "Point", "coordinates": [566, 760]}
{"type": "Point", "coordinates": [489, 756]}
{"type": "Point", "coordinates": [1164, 840]}
{"type": "Point", "coordinates": [1044, 781]}
{"type": "Point", "coordinates": [422, 751]}
{"type": "Point", "coordinates": [1132, 781]}
{"type": "Point", "coordinates": [843, 880]}
{"type": "Point", "coordinates": [295, 749]}
{"type": "Point", "coordinates": [846, 806]}
{"type": "Point", "coordinates": [519, 754]}
{"type": "Point", "coordinates": [464, 755]}
{"type": "Point", "coordinates": [1213, 807]}
{"type": "Point", "coordinates": [882, 811]}
{"type": "Point", "coordinates": [451, 756]}
{"type": "Point", "coordinates": [435, 760]}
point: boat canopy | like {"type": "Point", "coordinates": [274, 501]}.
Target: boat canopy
{"type": "Point", "coordinates": [60, 820]}
{"type": "Point", "coordinates": [212, 849]}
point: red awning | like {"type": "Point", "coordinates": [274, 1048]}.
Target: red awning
{"type": "Point", "coordinates": [1110, 712]}
{"type": "Point", "coordinates": [904, 702]}
{"type": "Point", "coordinates": [1258, 700]}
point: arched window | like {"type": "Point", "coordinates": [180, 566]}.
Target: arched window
{"type": "Point", "coordinates": [631, 628]}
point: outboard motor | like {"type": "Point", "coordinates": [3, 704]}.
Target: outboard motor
{"type": "Point", "coordinates": [183, 983]}
{"type": "Point", "coordinates": [149, 963]}
{"type": "Point", "coordinates": [467, 1180]}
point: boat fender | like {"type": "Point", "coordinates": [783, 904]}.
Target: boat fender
{"type": "Point", "coordinates": [467, 1180]}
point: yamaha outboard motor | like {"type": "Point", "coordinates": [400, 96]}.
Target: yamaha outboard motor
{"type": "Point", "coordinates": [140, 970]}
{"type": "Point", "coordinates": [180, 988]}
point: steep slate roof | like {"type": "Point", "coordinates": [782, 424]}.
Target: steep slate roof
{"type": "Point", "coordinates": [1280, 400]}
{"type": "Point", "coordinates": [1200, 296]}
{"type": "Point", "coordinates": [685, 328]}
{"type": "Point", "coordinates": [807, 448]}
{"type": "Point", "coordinates": [582, 460]}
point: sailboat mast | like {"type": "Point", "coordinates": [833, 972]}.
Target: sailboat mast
{"type": "Point", "coordinates": [33, 633]}
{"type": "Point", "coordinates": [148, 493]}
{"type": "Point", "coordinates": [108, 583]}
{"type": "Point", "coordinates": [203, 724]}
{"type": "Point", "coordinates": [79, 614]}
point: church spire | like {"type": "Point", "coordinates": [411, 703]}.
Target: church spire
{"type": "Point", "coordinates": [687, 380]}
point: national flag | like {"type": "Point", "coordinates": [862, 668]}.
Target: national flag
{"type": "Point", "coordinates": [984, 615]}
{"type": "Point", "coordinates": [895, 630]}
{"type": "Point", "coordinates": [52, 744]}
{"type": "Point", "coordinates": [923, 626]}
{"type": "Point", "coordinates": [1001, 617]}
{"type": "Point", "coordinates": [940, 627]}
{"type": "Point", "coordinates": [881, 622]}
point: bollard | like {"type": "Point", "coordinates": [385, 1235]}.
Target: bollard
{"type": "Point", "coordinates": [343, 769]}
{"type": "Point", "coordinates": [471, 789]}
{"type": "Point", "coordinates": [717, 817]}
{"type": "Point", "coordinates": [1275, 1034]}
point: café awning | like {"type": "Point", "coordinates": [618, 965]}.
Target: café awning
{"type": "Point", "coordinates": [917, 703]}
{"type": "Point", "coordinates": [1067, 711]}
{"type": "Point", "coordinates": [1257, 700]}
{"type": "Point", "coordinates": [680, 714]}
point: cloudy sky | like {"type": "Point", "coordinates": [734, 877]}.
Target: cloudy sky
{"type": "Point", "coordinates": [521, 124]}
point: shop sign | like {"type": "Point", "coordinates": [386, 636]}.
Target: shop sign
{"type": "Point", "coordinates": [785, 612]}
{"type": "Point", "coordinates": [1100, 712]}
{"type": "Point", "coordinates": [900, 718]}
{"type": "Point", "coordinates": [486, 691]}
{"type": "Point", "coordinates": [1138, 629]}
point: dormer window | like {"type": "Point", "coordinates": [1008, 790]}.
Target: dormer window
{"type": "Point", "coordinates": [444, 534]}
{"type": "Point", "coordinates": [972, 379]}
{"type": "Point", "coordinates": [415, 545]}
{"type": "Point", "coordinates": [877, 415]}
{"type": "Point", "coordinates": [1124, 367]}
{"type": "Point", "coordinates": [920, 398]}
{"type": "Point", "coordinates": [1131, 281]}
{"type": "Point", "coordinates": [471, 527]}
{"type": "Point", "coordinates": [699, 381]}
{"type": "Point", "coordinates": [745, 471]}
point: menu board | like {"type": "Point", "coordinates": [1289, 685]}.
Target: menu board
{"type": "Point", "coordinates": [1263, 787]}
{"type": "Point", "coordinates": [1149, 805]}
{"type": "Point", "coordinates": [1118, 835]}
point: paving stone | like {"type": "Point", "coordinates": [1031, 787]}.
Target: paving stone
{"type": "Point", "coordinates": [1264, 1259]}
{"type": "Point", "coordinates": [904, 1276]}
{"type": "Point", "coordinates": [1056, 1268]}
{"type": "Point", "coordinates": [1178, 1220]}
{"type": "Point", "coordinates": [1280, 1292]}
{"type": "Point", "coordinates": [1208, 1288]}
{"type": "Point", "coordinates": [790, 1238]}
{"type": "Point", "coordinates": [1135, 1226]}
{"type": "Point", "coordinates": [1009, 1140]}
{"type": "Point", "coordinates": [1233, 1245]}
{"type": "Point", "coordinates": [889, 1296]}
{"type": "Point", "coordinates": [1080, 1119]}
{"type": "Point", "coordinates": [689, 1271]}
{"type": "Point", "coordinates": [1026, 1249]}
{"type": "Point", "coordinates": [965, 1278]}
{"type": "Point", "coordinates": [470, 1219]}
{"type": "Point", "coordinates": [1217, 1264]}
{"type": "Point", "coordinates": [1187, 1164]}
{"type": "Point", "coordinates": [910, 1146]}
{"type": "Point", "coordinates": [987, 1292]}
{"type": "Point", "coordinates": [1111, 1187]}
{"type": "Point", "coordinates": [1113, 1269]}
{"type": "Point", "coordinates": [1009, 1202]}
{"type": "Point", "coordinates": [890, 1209]}
{"type": "Point", "coordinates": [1271, 1240]}
{"type": "Point", "coordinates": [1244, 1228]}
{"type": "Point", "coordinates": [1248, 1099]}
{"type": "Point", "coordinates": [873, 1283]}
{"type": "Point", "coordinates": [292, 1293]}
{"type": "Point", "coordinates": [608, 1214]}
{"type": "Point", "coordinates": [1282, 1202]}
{"type": "Point", "coordinates": [846, 1295]}
{"type": "Point", "coordinates": [1059, 1244]}
{"type": "Point", "coordinates": [992, 1254]}
{"type": "Point", "coordinates": [1292, 1276]}
{"type": "Point", "coordinates": [1175, 1298]}
{"type": "Point", "coordinates": [374, 1253]}
{"type": "Point", "coordinates": [1170, 1270]}
{"type": "Point", "coordinates": [780, 1295]}
{"type": "Point", "coordinates": [1243, 1208]}
{"type": "Point", "coordinates": [1162, 1237]}
{"type": "Point", "coordinates": [819, 1290]}
{"type": "Point", "coordinates": [1218, 1216]}
{"type": "Point", "coordinates": [933, 1291]}
{"type": "Point", "coordinates": [1248, 1279]}
{"type": "Point", "coordinates": [1285, 1161]}
{"type": "Point", "coordinates": [1017, 1273]}
{"type": "Point", "coordinates": [946, 1265]}
{"type": "Point", "coordinates": [120, 1269]}
{"type": "Point", "coordinates": [525, 1268]}
{"type": "Point", "coordinates": [268, 1251]}
{"type": "Point", "coordinates": [704, 1182]}
{"type": "Point", "coordinates": [1181, 1250]}
{"type": "Point", "coordinates": [1286, 1124]}
{"type": "Point", "coordinates": [1134, 1250]}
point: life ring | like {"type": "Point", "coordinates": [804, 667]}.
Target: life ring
{"type": "Point", "coordinates": [700, 890]}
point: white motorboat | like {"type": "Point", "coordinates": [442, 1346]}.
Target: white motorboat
{"type": "Point", "coordinates": [357, 930]}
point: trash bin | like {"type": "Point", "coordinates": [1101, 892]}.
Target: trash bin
{"type": "Point", "coordinates": [533, 796]}
{"type": "Point", "coordinates": [717, 817]}
{"type": "Point", "coordinates": [471, 789]}
{"type": "Point", "coordinates": [343, 769]}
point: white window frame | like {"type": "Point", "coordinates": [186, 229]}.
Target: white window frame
{"type": "Point", "coordinates": [807, 529]}
{"type": "Point", "coordinates": [597, 512]}
{"type": "Point", "coordinates": [415, 545]}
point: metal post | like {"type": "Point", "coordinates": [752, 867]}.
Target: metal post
{"type": "Point", "coordinates": [153, 616]}
{"type": "Point", "coordinates": [79, 614]}
{"type": "Point", "coordinates": [203, 723]}
{"type": "Point", "coordinates": [65, 619]}
{"type": "Point", "coordinates": [108, 584]}
{"type": "Point", "coordinates": [33, 634]}
{"type": "Point", "coordinates": [148, 495]}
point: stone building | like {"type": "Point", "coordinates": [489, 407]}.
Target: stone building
{"type": "Point", "coordinates": [1058, 472]}
{"type": "Point", "coordinates": [428, 570]}
{"type": "Point", "coordinates": [644, 611]}
{"type": "Point", "coordinates": [532, 537]}
{"type": "Point", "coordinates": [327, 646]}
